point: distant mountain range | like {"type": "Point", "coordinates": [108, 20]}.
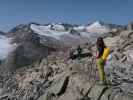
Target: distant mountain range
{"type": "Point", "coordinates": [53, 35]}
{"type": "Point", "coordinates": [59, 30]}
{"type": "Point", "coordinates": [30, 42]}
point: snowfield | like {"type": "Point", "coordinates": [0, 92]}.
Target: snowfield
{"type": "Point", "coordinates": [79, 28]}
{"type": "Point", "coordinates": [96, 27]}
{"type": "Point", "coordinates": [58, 31]}
{"type": "Point", "coordinates": [58, 27]}
{"type": "Point", "coordinates": [46, 31]}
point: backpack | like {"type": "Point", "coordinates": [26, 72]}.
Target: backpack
{"type": "Point", "coordinates": [105, 54]}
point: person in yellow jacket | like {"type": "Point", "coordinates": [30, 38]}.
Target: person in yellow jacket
{"type": "Point", "coordinates": [101, 55]}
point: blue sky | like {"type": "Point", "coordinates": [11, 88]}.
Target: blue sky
{"type": "Point", "coordinates": [14, 12]}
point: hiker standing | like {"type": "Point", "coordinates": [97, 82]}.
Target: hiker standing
{"type": "Point", "coordinates": [101, 55]}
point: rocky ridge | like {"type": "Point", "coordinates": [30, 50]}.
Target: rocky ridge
{"type": "Point", "coordinates": [59, 78]}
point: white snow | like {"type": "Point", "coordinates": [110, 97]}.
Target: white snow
{"type": "Point", "coordinates": [96, 27]}
{"type": "Point", "coordinates": [5, 47]}
{"type": "Point", "coordinates": [47, 27]}
{"type": "Point", "coordinates": [59, 27]}
{"type": "Point", "coordinates": [79, 28]}
{"type": "Point", "coordinates": [42, 30]}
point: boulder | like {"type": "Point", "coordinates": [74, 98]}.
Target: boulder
{"type": "Point", "coordinates": [126, 34]}
{"type": "Point", "coordinates": [97, 91]}
{"type": "Point", "coordinates": [46, 96]}
{"type": "Point", "coordinates": [59, 86]}
{"type": "Point", "coordinates": [76, 89]}
{"type": "Point", "coordinates": [70, 94]}
{"type": "Point", "coordinates": [110, 93]}
{"type": "Point", "coordinates": [129, 55]}
{"type": "Point", "coordinates": [122, 96]}
{"type": "Point", "coordinates": [112, 41]}
{"type": "Point", "coordinates": [127, 88]}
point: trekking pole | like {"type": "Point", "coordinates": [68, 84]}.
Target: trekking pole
{"type": "Point", "coordinates": [94, 68]}
{"type": "Point", "coordinates": [91, 69]}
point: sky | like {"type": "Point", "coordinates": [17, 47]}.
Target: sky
{"type": "Point", "coordinates": [15, 12]}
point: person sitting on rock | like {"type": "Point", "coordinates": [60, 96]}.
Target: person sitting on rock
{"type": "Point", "coordinates": [101, 55]}
{"type": "Point", "coordinates": [79, 51]}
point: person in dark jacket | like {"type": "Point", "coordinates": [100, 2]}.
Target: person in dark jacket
{"type": "Point", "coordinates": [79, 51]}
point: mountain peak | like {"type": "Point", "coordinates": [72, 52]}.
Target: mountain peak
{"type": "Point", "coordinates": [98, 23]}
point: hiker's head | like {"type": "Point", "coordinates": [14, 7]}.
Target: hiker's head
{"type": "Point", "coordinates": [100, 44]}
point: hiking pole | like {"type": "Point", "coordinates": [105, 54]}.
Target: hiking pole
{"type": "Point", "coordinates": [94, 68]}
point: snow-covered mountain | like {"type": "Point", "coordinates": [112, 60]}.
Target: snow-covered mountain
{"type": "Point", "coordinates": [59, 30]}
{"type": "Point", "coordinates": [56, 31]}
{"type": "Point", "coordinates": [98, 27]}
{"type": "Point", "coordinates": [53, 35]}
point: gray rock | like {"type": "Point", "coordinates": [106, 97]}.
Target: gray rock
{"type": "Point", "coordinates": [97, 91]}
{"type": "Point", "coordinates": [112, 41]}
{"type": "Point", "coordinates": [59, 87]}
{"type": "Point", "coordinates": [126, 34]}
{"type": "Point", "coordinates": [122, 96]}
{"type": "Point", "coordinates": [129, 55]}
{"type": "Point", "coordinates": [46, 96]}
{"type": "Point", "coordinates": [127, 88]}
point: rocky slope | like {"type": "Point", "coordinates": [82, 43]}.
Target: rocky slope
{"type": "Point", "coordinates": [59, 78]}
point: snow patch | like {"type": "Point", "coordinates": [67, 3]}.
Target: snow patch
{"type": "Point", "coordinates": [97, 28]}
{"type": "Point", "coordinates": [58, 27]}
{"type": "Point", "coordinates": [79, 28]}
